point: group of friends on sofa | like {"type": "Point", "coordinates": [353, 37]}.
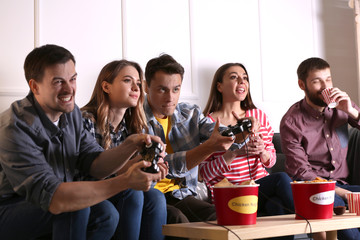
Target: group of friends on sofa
{"type": "Point", "coordinates": [79, 173]}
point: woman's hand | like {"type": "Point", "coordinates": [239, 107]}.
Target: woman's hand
{"type": "Point", "coordinates": [256, 146]}
{"type": "Point", "coordinates": [255, 126]}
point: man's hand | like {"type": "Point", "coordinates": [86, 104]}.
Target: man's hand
{"type": "Point", "coordinates": [218, 142]}
{"type": "Point", "coordinates": [164, 168]}
{"type": "Point", "coordinates": [140, 140]}
{"type": "Point", "coordinates": [341, 192]}
{"type": "Point", "coordinates": [137, 179]}
{"type": "Point", "coordinates": [344, 102]}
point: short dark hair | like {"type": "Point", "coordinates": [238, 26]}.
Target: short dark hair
{"type": "Point", "coordinates": [42, 57]}
{"type": "Point", "coordinates": [309, 65]}
{"type": "Point", "coordinates": [165, 63]}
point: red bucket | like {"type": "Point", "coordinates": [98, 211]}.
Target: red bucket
{"type": "Point", "coordinates": [236, 205]}
{"type": "Point", "coordinates": [313, 200]}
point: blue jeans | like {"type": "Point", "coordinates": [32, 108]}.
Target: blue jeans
{"type": "Point", "coordinates": [20, 219]}
{"type": "Point", "coordinates": [142, 214]}
{"type": "Point", "coordinates": [338, 201]}
{"type": "Point", "coordinates": [275, 194]}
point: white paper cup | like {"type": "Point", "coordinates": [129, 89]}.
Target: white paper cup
{"type": "Point", "coordinates": [328, 100]}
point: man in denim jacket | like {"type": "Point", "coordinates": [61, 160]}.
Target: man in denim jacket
{"type": "Point", "coordinates": [189, 136]}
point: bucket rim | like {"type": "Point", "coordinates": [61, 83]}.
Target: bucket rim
{"type": "Point", "coordinates": [238, 186]}
{"type": "Point", "coordinates": [303, 182]}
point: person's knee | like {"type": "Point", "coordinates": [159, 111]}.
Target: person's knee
{"type": "Point", "coordinates": [154, 199]}
{"type": "Point", "coordinates": [103, 217]}
{"type": "Point", "coordinates": [131, 198]}
{"type": "Point", "coordinates": [283, 177]}
{"type": "Point", "coordinates": [175, 215]}
{"type": "Point", "coordinates": [113, 219]}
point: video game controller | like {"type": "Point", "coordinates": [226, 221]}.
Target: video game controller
{"type": "Point", "coordinates": [151, 153]}
{"type": "Point", "coordinates": [241, 126]}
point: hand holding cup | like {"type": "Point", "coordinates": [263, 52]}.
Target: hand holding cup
{"type": "Point", "coordinates": [330, 101]}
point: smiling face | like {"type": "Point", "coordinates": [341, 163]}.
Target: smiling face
{"type": "Point", "coordinates": [163, 93]}
{"type": "Point", "coordinates": [56, 91]}
{"type": "Point", "coordinates": [124, 91]}
{"type": "Point", "coordinates": [234, 85]}
{"type": "Point", "coordinates": [316, 81]}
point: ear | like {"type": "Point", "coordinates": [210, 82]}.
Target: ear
{"type": "Point", "coordinates": [301, 84]}
{"type": "Point", "coordinates": [218, 86]}
{"type": "Point", "coordinates": [105, 87]}
{"type": "Point", "coordinates": [34, 87]}
{"type": "Point", "coordinates": [146, 88]}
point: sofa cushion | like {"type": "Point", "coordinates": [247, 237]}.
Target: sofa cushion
{"type": "Point", "coordinates": [353, 156]}
{"type": "Point", "coordinates": [280, 157]}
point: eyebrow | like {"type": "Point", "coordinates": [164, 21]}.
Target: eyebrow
{"type": "Point", "coordinates": [131, 77]}
{"type": "Point", "coordinates": [60, 78]}
{"type": "Point", "coordinates": [319, 78]}
{"type": "Point", "coordinates": [163, 86]}
{"type": "Point", "coordinates": [237, 73]}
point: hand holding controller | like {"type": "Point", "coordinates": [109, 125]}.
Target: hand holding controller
{"type": "Point", "coordinates": [151, 153]}
{"type": "Point", "coordinates": [242, 125]}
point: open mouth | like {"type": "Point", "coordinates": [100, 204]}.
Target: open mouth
{"type": "Point", "coordinates": [240, 90]}
{"type": "Point", "coordinates": [65, 99]}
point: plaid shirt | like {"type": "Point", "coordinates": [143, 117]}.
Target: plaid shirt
{"type": "Point", "coordinates": [189, 128]}
{"type": "Point", "coordinates": [116, 137]}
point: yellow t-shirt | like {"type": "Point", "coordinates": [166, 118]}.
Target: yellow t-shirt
{"type": "Point", "coordinates": [166, 185]}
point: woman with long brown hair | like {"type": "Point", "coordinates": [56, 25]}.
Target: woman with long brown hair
{"type": "Point", "coordinates": [114, 112]}
{"type": "Point", "coordinates": [230, 100]}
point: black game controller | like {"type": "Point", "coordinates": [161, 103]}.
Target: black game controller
{"type": "Point", "coordinates": [151, 153]}
{"type": "Point", "coordinates": [241, 126]}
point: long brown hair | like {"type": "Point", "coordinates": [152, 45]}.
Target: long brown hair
{"type": "Point", "coordinates": [99, 104]}
{"type": "Point", "coordinates": [215, 97]}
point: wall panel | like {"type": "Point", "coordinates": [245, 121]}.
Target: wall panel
{"type": "Point", "coordinates": [287, 38]}
{"type": "Point", "coordinates": [17, 39]}
{"type": "Point", "coordinates": [155, 27]}
{"type": "Point", "coordinates": [90, 29]}
{"type": "Point", "coordinates": [222, 32]}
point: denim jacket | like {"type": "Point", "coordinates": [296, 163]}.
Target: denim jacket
{"type": "Point", "coordinates": [189, 128]}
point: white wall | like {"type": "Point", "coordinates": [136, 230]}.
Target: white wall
{"type": "Point", "coordinates": [270, 37]}
{"type": "Point", "coordinates": [16, 41]}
